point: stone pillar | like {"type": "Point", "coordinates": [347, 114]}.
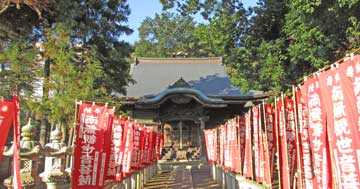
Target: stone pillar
{"type": "Point", "coordinates": [226, 180]}
{"type": "Point", "coordinates": [138, 180]}
{"type": "Point", "coordinates": [213, 167]}
{"type": "Point", "coordinates": [145, 175]}
{"type": "Point", "coordinates": [181, 135]}
{"type": "Point", "coordinates": [223, 179]}
{"type": "Point", "coordinates": [239, 179]}
{"type": "Point", "coordinates": [154, 170]}
{"type": "Point", "coordinates": [133, 181]}
{"type": "Point", "coordinates": [233, 181]}
{"type": "Point", "coordinates": [202, 138]}
{"type": "Point", "coordinates": [219, 175]}
{"type": "Point", "coordinates": [118, 186]}
{"type": "Point", "coordinates": [127, 183]}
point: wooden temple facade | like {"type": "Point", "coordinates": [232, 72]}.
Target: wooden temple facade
{"type": "Point", "coordinates": [181, 97]}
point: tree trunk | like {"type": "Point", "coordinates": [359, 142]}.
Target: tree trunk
{"type": "Point", "coordinates": [43, 132]}
{"type": "Point", "coordinates": [45, 96]}
{"type": "Point", "coordinates": [64, 130]}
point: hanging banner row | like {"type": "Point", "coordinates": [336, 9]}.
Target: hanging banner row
{"type": "Point", "coordinates": [109, 147]}
{"type": "Point", "coordinates": [313, 138]}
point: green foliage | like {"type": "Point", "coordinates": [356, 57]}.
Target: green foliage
{"type": "Point", "coordinates": [167, 34]}
{"type": "Point", "coordinates": [353, 33]}
{"type": "Point", "coordinates": [82, 55]}
{"type": "Point", "coordinates": [70, 78]}
{"type": "Point", "coordinates": [100, 25]}
{"type": "Point", "coordinates": [17, 60]}
{"type": "Point", "coordinates": [225, 29]}
{"type": "Point", "coordinates": [276, 43]}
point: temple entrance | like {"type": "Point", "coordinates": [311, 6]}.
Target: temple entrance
{"type": "Point", "coordinates": [181, 140]}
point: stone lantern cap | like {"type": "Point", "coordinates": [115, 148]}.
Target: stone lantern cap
{"type": "Point", "coordinates": [56, 134]}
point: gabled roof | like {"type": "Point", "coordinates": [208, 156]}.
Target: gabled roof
{"type": "Point", "coordinates": [154, 75]}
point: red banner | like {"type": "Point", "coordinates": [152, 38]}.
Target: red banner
{"type": "Point", "coordinates": [266, 159]}
{"type": "Point", "coordinates": [147, 146]}
{"type": "Point", "coordinates": [351, 68]}
{"type": "Point", "coordinates": [283, 155]}
{"type": "Point", "coordinates": [158, 145]}
{"type": "Point", "coordinates": [89, 155]}
{"type": "Point", "coordinates": [221, 145]}
{"type": "Point", "coordinates": [242, 136]}
{"type": "Point", "coordinates": [211, 145]}
{"type": "Point", "coordinates": [138, 147]}
{"type": "Point", "coordinates": [127, 147]}
{"type": "Point", "coordinates": [153, 147]}
{"type": "Point", "coordinates": [256, 142]}
{"type": "Point", "coordinates": [161, 144]}
{"type": "Point", "coordinates": [290, 137]}
{"type": "Point", "coordinates": [7, 112]}
{"type": "Point", "coordinates": [232, 151]}
{"type": "Point", "coordinates": [304, 140]}
{"type": "Point", "coordinates": [108, 123]}
{"type": "Point", "coordinates": [317, 134]}
{"type": "Point", "coordinates": [261, 150]}
{"type": "Point", "coordinates": [227, 150]}
{"type": "Point", "coordinates": [337, 91]}
{"type": "Point", "coordinates": [270, 134]}
{"type": "Point", "coordinates": [236, 160]}
{"type": "Point", "coordinates": [261, 157]}
{"type": "Point", "coordinates": [247, 168]}
{"type": "Point", "coordinates": [116, 153]}
{"type": "Point", "coordinates": [142, 147]}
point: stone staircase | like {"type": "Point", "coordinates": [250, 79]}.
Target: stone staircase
{"type": "Point", "coordinates": [186, 176]}
{"type": "Point", "coordinates": [184, 154]}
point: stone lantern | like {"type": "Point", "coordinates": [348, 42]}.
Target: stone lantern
{"type": "Point", "coordinates": [54, 173]}
{"type": "Point", "coordinates": [29, 158]}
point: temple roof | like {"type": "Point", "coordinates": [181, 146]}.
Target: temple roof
{"type": "Point", "coordinates": [154, 75]}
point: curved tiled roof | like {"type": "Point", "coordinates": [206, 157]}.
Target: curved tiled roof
{"type": "Point", "coordinates": [154, 75]}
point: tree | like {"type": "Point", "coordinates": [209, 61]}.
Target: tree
{"type": "Point", "coordinates": [37, 5]}
{"type": "Point", "coordinates": [321, 32]}
{"type": "Point", "coordinates": [261, 58]}
{"type": "Point", "coordinates": [100, 25]}
{"type": "Point", "coordinates": [82, 53]}
{"type": "Point", "coordinates": [167, 34]}
{"type": "Point", "coordinates": [70, 78]}
{"type": "Point", "coordinates": [19, 17]}
{"type": "Point", "coordinates": [276, 43]}
{"type": "Point", "coordinates": [223, 33]}
{"type": "Point", "coordinates": [18, 69]}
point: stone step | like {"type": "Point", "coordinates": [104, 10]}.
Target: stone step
{"type": "Point", "coordinates": [186, 177]}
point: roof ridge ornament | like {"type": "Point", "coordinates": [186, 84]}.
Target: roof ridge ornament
{"type": "Point", "coordinates": [180, 83]}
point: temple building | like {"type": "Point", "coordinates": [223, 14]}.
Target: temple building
{"type": "Point", "coordinates": [181, 97]}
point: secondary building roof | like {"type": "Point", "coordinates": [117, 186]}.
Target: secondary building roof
{"type": "Point", "coordinates": [154, 75]}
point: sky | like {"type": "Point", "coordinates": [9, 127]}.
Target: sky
{"type": "Point", "coordinates": [140, 9]}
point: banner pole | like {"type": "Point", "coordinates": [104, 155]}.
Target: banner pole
{"type": "Point", "coordinates": [266, 143]}
{"type": "Point", "coordinates": [71, 142]}
{"type": "Point", "coordinates": [277, 141]}
{"type": "Point", "coordinates": [299, 175]}
{"type": "Point", "coordinates": [332, 161]}
{"type": "Point", "coordinates": [16, 156]}
{"type": "Point", "coordinates": [239, 143]}
{"type": "Point", "coordinates": [285, 137]}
